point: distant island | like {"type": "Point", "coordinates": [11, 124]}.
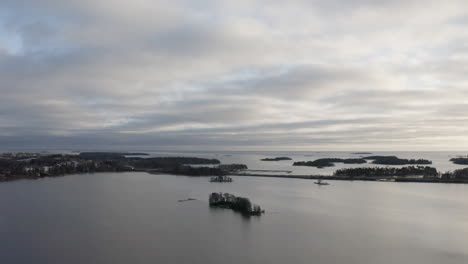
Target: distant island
{"type": "Point", "coordinates": [232, 167]}
{"type": "Point", "coordinates": [110, 154]}
{"type": "Point", "coordinates": [328, 162]}
{"type": "Point", "coordinates": [362, 153]}
{"type": "Point", "coordinates": [393, 160]}
{"type": "Point", "coordinates": [276, 159]}
{"type": "Point", "coordinates": [221, 179]}
{"type": "Point", "coordinates": [238, 204]}
{"type": "Point", "coordinates": [460, 161]}
{"type": "Point", "coordinates": [187, 200]}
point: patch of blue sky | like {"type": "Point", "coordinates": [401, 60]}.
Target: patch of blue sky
{"type": "Point", "coordinates": [10, 42]}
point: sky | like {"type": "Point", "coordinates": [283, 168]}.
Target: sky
{"type": "Point", "coordinates": [234, 75]}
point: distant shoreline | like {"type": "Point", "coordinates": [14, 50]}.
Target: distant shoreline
{"type": "Point", "coordinates": [303, 177]}
{"type": "Point", "coordinates": [348, 178]}
{"type": "Point", "coordinates": [15, 166]}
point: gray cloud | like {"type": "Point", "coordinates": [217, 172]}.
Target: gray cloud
{"type": "Point", "coordinates": [222, 74]}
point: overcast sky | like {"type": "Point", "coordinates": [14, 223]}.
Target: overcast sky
{"type": "Point", "coordinates": [234, 75]}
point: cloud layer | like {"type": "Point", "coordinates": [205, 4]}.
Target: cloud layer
{"type": "Point", "coordinates": [305, 75]}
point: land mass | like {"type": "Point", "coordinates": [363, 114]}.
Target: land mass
{"type": "Point", "coordinates": [460, 161]}
{"type": "Point", "coordinates": [393, 160]}
{"type": "Point", "coordinates": [110, 154]}
{"type": "Point", "coordinates": [39, 165]}
{"type": "Point", "coordinates": [276, 159]}
{"type": "Point", "coordinates": [328, 162]}
{"type": "Point", "coordinates": [238, 204]}
{"type": "Point", "coordinates": [424, 174]}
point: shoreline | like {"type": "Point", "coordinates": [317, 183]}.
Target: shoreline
{"type": "Point", "coordinates": [348, 178]}
{"type": "Point", "coordinates": [304, 177]}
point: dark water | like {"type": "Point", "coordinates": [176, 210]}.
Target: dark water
{"type": "Point", "coordinates": [135, 218]}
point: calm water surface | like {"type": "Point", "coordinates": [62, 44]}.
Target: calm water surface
{"type": "Point", "coordinates": [114, 218]}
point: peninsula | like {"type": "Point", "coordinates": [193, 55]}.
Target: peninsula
{"type": "Point", "coordinates": [15, 166]}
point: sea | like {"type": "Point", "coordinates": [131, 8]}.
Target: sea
{"type": "Point", "coordinates": [136, 217]}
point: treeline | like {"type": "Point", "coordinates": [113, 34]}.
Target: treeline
{"type": "Point", "coordinates": [219, 170]}
{"type": "Point", "coordinates": [460, 161]}
{"type": "Point", "coordinates": [108, 155]}
{"type": "Point", "coordinates": [18, 170]}
{"type": "Point", "coordinates": [457, 174]}
{"type": "Point", "coordinates": [328, 162]}
{"type": "Point", "coordinates": [165, 162]}
{"type": "Point", "coordinates": [393, 160]}
{"type": "Point", "coordinates": [232, 167]}
{"type": "Point", "coordinates": [194, 171]}
{"type": "Point", "coordinates": [238, 204]}
{"type": "Point", "coordinates": [386, 172]}
{"type": "Point", "coordinates": [276, 159]}
{"type": "Point", "coordinates": [58, 164]}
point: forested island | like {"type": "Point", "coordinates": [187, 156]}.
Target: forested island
{"type": "Point", "coordinates": [460, 161]}
{"type": "Point", "coordinates": [424, 171]}
{"type": "Point", "coordinates": [328, 162]}
{"type": "Point", "coordinates": [393, 160]}
{"type": "Point", "coordinates": [38, 165]}
{"type": "Point", "coordinates": [276, 159]}
{"type": "Point", "coordinates": [381, 160]}
{"type": "Point", "coordinates": [238, 204]}
{"type": "Point", "coordinates": [221, 179]}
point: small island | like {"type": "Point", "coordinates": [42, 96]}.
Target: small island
{"type": "Point", "coordinates": [221, 179]}
{"type": "Point", "coordinates": [238, 204]}
{"type": "Point", "coordinates": [232, 167]}
{"type": "Point", "coordinates": [328, 162]}
{"type": "Point", "coordinates": [186, 200]}
{"type": "Point", "coordinates": [276, 159]}
{"type": "Point", "coordinates": [393, 160]}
